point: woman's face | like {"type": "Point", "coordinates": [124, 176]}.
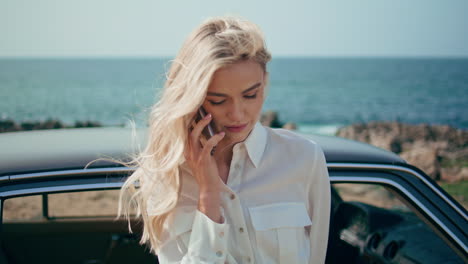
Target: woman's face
{"type": "Point", "coordinates": [235, 99]}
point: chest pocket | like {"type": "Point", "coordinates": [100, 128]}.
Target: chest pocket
{"type": "Point", "coordinates": [280, 232]}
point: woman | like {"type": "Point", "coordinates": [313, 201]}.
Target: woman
{"type": "Point", "coordinates": [248, 194]}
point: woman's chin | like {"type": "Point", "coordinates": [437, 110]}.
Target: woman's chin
{"type": "Point", "coordinates": [232, 138]}
{"type": "Point", "coordinates": [229, 139]}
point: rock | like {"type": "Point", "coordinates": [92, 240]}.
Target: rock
{"type": "Point", "coordinates": [37, 125]}
{"type": "Point", "coordinates": [87, 124]}
{"type": "Point", "coordinates": [426, 159]}
{"type": "Point", "coordinates": [9, 126]}
{"type": "Point", "coordinates": [270, 118]}
{"type": "Point", "coordinates": [29, 126]}
{"type": "Point", "coordinates": [290, 126]}
{"type": "Point", "coordinates": [52, 124]}
{"type": "Point", "coordinates": [454, 174]}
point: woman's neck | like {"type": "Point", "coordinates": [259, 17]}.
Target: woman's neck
{"type": "Point", "coordinates": [223, 154]}
{"type": "Point", "coordinates": [223, 157]}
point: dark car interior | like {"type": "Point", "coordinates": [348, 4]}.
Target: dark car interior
{"type": "Point", "coordinates": [362, 233]}
{"type": "Point", "coordinates": [73, 241]}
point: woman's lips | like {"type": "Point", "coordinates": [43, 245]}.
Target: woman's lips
{"type": "Point", "coordinates": [236, 128]}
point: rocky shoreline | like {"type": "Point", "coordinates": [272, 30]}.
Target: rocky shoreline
{"type": "Point", "coordinates": [440, 151]}
{"type": "Point", "coordinates": [269, 118]}
{"type": "Point", "coordinates": [9, 125]}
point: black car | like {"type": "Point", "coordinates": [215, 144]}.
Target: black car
{"type": "Point", "coordinates": [54, 210]}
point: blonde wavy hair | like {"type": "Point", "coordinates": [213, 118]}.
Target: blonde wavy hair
{"type": "Point", "coordinates": [216, 43]}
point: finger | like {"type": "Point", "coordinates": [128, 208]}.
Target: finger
{"type": "Point", "coordinates": [212, 142]}
{"type": "Point", "coordinates": [188, 147]}
{"type": "Point", "coordinates": [191, 121]}
{"type": "Point", "coordinates": [203, 141]}
{"type": "Point", "coordinates": [198, 128]}
{"type": "Point", "coordinates": [192, 114]}
{"type": "Point", "coordinates": [187, 151]}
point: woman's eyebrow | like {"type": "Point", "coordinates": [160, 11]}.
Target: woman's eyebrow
{"type": "Point", "coordinates": [251, 88]}
{"type": "Point", "coordinates": [245, 91]}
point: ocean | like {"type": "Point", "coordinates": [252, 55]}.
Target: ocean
{"type": "Point", "coordinates": [318, 94]}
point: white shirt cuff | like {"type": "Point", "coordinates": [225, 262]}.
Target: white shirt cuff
{"type": "Point", "coordinates": [208, 240]}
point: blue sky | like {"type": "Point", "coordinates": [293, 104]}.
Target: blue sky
{"type": "Point", "coordinates": [89, 28]}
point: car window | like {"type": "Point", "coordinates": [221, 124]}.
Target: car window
{"type": "Point", "coordinates": [373, 222]}
{"type": "Point", "coordinates": [27, 208]}
{"type": "Point", "coordinates": [91, 203]}
{"type": "Point", "coordinates": [70, 227]}
{"type": "Point", "coordinates": [102, 203]}
{"type": "Point", "coordinates": [372, 194]}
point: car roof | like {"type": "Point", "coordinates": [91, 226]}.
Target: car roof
{"type": "Point", "coordinates": [64, 149]}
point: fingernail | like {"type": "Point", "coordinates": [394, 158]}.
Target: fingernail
{"type": "Point", "coordinates": [208, 116]}
{"type": "Point", "coordinates": [222, 133]}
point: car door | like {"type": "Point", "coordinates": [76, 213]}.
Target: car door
{"type": "Point", "coordinates": [67, 217]}
{"type": "Point", "coordinates": [393, 214]}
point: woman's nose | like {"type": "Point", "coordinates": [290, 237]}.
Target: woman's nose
{"type": "Point", "coordinates": [236, 112]}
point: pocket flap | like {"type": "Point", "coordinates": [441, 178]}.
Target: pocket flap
{"type": "Point", "coordinates": [279, 215]}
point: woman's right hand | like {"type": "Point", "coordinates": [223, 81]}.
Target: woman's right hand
{"type": "Point", "coordinates": [204, 169]}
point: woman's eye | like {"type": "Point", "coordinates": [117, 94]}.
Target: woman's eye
{"type": "Point", "coordinates": [252, 96]}
{"type": "Point", "coordinates": [216, 102]}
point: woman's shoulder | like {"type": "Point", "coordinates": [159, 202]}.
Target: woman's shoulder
{"type": "Point", "coordinates": [285, 140]}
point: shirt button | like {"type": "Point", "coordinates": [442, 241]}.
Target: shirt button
{"type": "Point", "coordinates": [221, 234]}
{"type": "Point", "coordinates": [241, 230]}
{"type": "Point", "coordinates": [237, 166]}
{"type": "Point", "coordinates": [219, 253]}
{"type": "Point", "coordinates": [232, 197]}
{"type": "Point", "coordinates": [249, 259]}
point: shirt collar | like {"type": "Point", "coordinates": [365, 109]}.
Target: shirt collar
{"type": "Point", "coordinates": [255, 143]}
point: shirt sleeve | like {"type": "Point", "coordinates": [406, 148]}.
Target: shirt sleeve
{"type": "Point", "coordinates": [320, 203]}
{"type": "Point", "coordinates": [206, 243]}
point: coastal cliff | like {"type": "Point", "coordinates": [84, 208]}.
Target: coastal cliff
{"type": "Point", "coordinates": [440, 151]}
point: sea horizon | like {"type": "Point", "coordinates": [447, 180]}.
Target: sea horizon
{"type": "Point", "coordinates": [317, 93]}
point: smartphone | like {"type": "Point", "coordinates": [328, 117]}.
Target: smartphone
{"type": "Point", "coordinates": [208, 131]}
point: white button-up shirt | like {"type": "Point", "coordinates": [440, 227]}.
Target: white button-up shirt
{"type": "Point", "coordinates": [276, 206]}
